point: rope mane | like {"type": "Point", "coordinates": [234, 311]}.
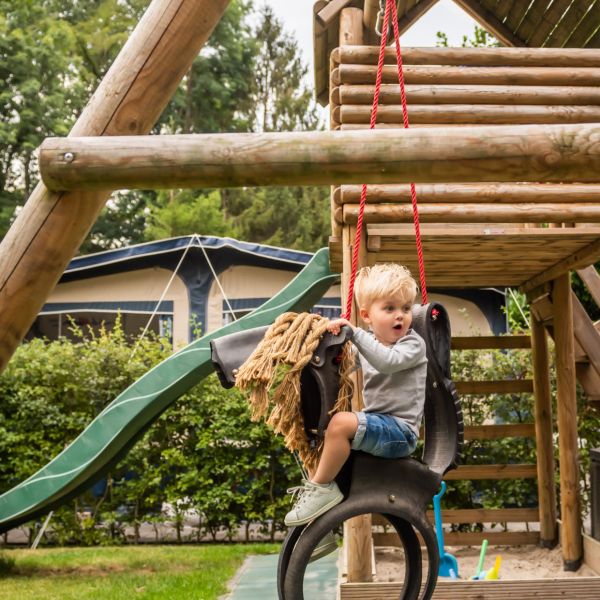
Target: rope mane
{"type": "Point", "coordinates": [277, 362]}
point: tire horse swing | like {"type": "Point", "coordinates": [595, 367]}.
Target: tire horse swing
{"type": "Point", "coordinates": [398, 489]}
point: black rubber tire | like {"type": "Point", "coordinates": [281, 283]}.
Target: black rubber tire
{"type": "Point", "coordinates": [287, 547]}
{"type": "Point", "coordinates": [293, 575]}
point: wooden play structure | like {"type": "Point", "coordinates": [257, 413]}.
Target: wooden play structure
{"type": "Point", "coordinates": [504, 147]}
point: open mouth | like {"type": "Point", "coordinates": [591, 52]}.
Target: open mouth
{"type": "Point", "coordinates": [398, 327]}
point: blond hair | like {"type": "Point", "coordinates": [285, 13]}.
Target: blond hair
{"type": "Point", "coordinates": [384, 281]}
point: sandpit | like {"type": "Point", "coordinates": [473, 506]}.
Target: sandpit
{"type": "Point", "coordinates": [518, 562]}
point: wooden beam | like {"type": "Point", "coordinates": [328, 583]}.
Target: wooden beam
{"type": "Point", "coordinates": [555, 588]}
{"type": "Point", "coordinates": [468, 114]}
{"type": "Point", "coordinates": [331, 11]}
{"type": "Point", "coordinates": [357, 530]}
{"type": "Point", "coordinates": [476, 515]}
{"type": "Point", "coordinates": [532, 18]}
{"type": "Point", "coordinates": [511, 471]}
{"type": "Point", "coordinates": [581, 258]}
{"type": "Point", "coordinates": [567, 25]}
{"type": "Point", "coordinates": [456, 75]}
{"type": "Point", "coordinates": [466, 538]}
{"type": "Point", "coordinates": [543, 434]}
{"type": "Point", "coordinates": [469, 94]}
{"type": "Point", "coordinates": [591, 279]}
{"type": "Point", "coordinates": [50, 228]}
{"type": "Point", "coordinates": [473, 213]}
{"type": "Point", "coordinates": [566, 402]}
{"type": "Point", "coordinates": [350, 34]}
{"type": "Point", "coordinates": [483, 57]}
{"type": "Point", "coordinates": [371, 9]}
{"type": "Point", "coordinates": [534, 153]}
{"type": "Point", "coordinates": [473, 193]}
{"type": "Point", "coordinates": [585, 332]}
{"type": "Point", "coordinates": [547, 23]}
{"type": "Point", "coordinates": [585, 29]}
{"type": "Point", "coordinates": [498, 432]}
{"type": "Point", "coordinates": [351, 28]}
{"type": "Point", "coordinates": [482, 342]}
{"type": "Point", "coordinates": [504, 386]}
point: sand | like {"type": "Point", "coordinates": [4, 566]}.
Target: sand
{"type": "Point", "coordinates": [518, 562]}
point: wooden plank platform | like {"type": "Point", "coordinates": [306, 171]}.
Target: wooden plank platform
{"type": "Point", "coordinates": [480, 256]}
{"type": "Point", "coordinates": [566, 588]}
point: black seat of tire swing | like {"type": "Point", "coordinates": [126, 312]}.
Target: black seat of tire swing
{"type": "Point", "coordinates": [399, 489]}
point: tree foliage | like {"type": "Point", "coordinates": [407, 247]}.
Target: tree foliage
{"type": "Point", "coordinates": [248, 77]}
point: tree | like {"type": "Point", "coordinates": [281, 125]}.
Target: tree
{"type": "Point", "coordinates": [296, 217]}
{"type": "Point", "coordinates": [282, 102]}
{"type": "Point", "coordinates": [40, 93]}
{"type": "Point", "coordinates": [184, 212]}
{"type": "Point", "coordinates": [481, 38]}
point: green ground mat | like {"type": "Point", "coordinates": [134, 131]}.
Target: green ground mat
{"type": "Point", "coordinates": [257, 579]}
{"type": "Point", "coordinates": [114, 431]}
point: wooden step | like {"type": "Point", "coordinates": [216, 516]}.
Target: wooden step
{"type": "Point", "coordinates": [565, 588]}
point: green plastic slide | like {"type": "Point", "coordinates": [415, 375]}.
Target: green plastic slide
{"type": "Point", "coordinates": [114, 431]}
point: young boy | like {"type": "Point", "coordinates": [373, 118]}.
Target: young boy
{"type": "Point", "coordinates": [394, 366]}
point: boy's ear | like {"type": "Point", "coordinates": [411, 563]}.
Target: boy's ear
{"type": "Point", "coordinates": [364, 315]}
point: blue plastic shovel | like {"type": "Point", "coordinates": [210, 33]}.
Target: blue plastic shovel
{"type": "Point", "coordinates": [448, 564]}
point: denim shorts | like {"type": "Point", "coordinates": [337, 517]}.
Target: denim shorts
{"type": "Point", "coordinates": [383, 435]}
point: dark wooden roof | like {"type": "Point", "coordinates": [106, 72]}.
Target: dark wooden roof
{"type": "Point", "coordinates": [532, 23]}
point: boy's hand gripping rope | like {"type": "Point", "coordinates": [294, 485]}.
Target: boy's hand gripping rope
{"type": "Point", "coordinates": [390, 7]}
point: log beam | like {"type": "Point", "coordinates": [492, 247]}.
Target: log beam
{"type": "Point", "coordinates": [469, 94]}
{"type": "Point", "coordinates": [357, 531]}
{"type": "Point", "coordinates": [484, 57]}
{"type": "Point", "coordinates": [564, 153]}
{"type": "Point", "coordinates": [543, 434]}
{"type": "Point", "coordinates": [472, 213]}
{"type": "Point", "coordinates": [470, 114]}
{"type": "Point", "coordinates": [473, 193]}
{"type": "Point", "coordinates": [461, 75]}
{"type": "Point", "coordinates": [51, 227]}
{"type": "Point", "coordinates": [566, 407]}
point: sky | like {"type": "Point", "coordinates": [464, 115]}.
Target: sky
{"type": "Point", "coordinates": [444, 16]}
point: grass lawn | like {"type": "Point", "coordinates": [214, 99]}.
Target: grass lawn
{"type": "Point", "coordinates": [123, 572]}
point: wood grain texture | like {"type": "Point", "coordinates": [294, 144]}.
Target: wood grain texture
{"type": "Point", "coordinates": [474, 213]}
{"type": "Point", "coordinates": [505, 193]}
{"type": "Point", "coordinates": [462, 75]}
{"type": "Point", "coordinates": [490, 57]}
{"type": "Point", "coordinates": [543, 433]}
{"type": "Point", "coordinates": [566, 402]}
{"type": "Point", "coordinates": [513, 153]}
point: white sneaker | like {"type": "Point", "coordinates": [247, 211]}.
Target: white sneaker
{"type": "Point", "coordinates": [327, 545]}
{"type": "Point", "coordinates": [313, 500]}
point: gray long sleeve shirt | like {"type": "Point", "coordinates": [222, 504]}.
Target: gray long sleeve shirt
{"type": "Point", "coordinates": [393, 376]}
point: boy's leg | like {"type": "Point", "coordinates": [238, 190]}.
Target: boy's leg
{"type": "Point", "coordinates": [336, 449]}
{"type": "Point", "coordinates": [322, 493]}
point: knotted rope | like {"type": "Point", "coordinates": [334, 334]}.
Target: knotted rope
{"type": "Point", "coordinates": [272, 375]}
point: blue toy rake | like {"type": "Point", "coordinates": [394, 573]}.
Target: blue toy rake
{"type": "Point", "coordinates": [448, 564]}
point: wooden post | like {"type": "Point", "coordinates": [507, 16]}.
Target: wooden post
{"type": "Point", "coordinates": [564, 153]}
{"type": "Point", "coordinates": [566, 401]}
{"type": "Point", "coordinates": [351, 33]}
{"type": "Point", "coordinates": [51, 227]}
{"type": "Point", "coordinates": [543, 434]}
{"type": "Point", "coordinates": [351, 27]}
{"type": "Point", "coordinates": [357, 531]}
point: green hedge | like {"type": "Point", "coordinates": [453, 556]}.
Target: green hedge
{"type": "Point", "coordinates": [204, 454]}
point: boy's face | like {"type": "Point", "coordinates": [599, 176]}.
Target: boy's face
{"type": "Point", "coordinates": [389, 318]}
